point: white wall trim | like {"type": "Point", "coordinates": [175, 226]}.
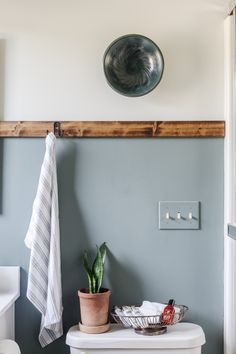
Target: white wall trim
{"type": "Point", "coordinates": [230, 189]}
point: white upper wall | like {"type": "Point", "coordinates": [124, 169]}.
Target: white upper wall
{"type": "Point", "coordinates": [51, 59]}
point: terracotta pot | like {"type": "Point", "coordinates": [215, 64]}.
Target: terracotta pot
{"type": "Point", "coordinates": [94, 307]}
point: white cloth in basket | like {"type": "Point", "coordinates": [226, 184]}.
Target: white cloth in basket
{"type": "Point", "coordinates": [146, 309]}
{"type": "Point", "coordinates": [153, 308]}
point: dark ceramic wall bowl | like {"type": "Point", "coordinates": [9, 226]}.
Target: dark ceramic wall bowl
{"type": "Point", "coordinates": [133, 65]}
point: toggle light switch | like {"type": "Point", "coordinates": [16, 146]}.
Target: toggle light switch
{"type": "Point", "coordinates": [179, 215]}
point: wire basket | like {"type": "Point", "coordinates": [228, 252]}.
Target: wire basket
{"type": "Point", "coordinates": [148, 325]}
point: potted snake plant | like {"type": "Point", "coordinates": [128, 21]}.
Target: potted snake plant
{"type": "Point", "coordinates": [94, 300]}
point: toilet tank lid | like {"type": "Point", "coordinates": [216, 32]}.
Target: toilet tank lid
{"type": "Point", "coordinates": [181, 335]}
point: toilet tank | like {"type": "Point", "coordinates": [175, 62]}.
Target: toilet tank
{"type": "Point", "coordinates": [182, 338]}
{"type": "Point", "coordinates": [9, 292]}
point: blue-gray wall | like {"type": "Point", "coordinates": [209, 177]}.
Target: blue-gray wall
{"type": "Point", "coordinates": [109, 191]}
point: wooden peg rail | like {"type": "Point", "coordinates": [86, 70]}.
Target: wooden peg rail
{"type": "Point", "coordinates": [111, 129]}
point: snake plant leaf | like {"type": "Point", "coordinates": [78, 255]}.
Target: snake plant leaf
{"type": "Point", "coordinates": [103, 250]}
{"type": "Point", "coordinates": [97, 269]}
{"type": "Point", "coordinates": [100, 279]}
{"type": "Point", "coordinates": [93, 285]}
{"type": "Point", "coordinates": [98, 265]}
{"type": "Point", "coordinates": [89, 272]}
{"type": "Point", "coordinates": [95, 274]}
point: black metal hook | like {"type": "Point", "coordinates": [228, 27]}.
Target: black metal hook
{"type": "Point", "coordinates": [57, 129]}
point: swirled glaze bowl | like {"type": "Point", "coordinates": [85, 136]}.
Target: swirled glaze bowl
{"type": "Point", "coordinates": [133, 65]}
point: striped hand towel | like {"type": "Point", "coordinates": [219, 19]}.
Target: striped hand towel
{"type": "Point", "coordinates": [43, 239]}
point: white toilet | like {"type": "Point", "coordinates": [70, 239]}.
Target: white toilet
{"type": "Point", "coordinates": [182, 338]}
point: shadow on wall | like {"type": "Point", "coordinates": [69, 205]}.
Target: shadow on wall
{"type": "Point", "coordinates": [24, 306]}
{"type": "Point", "coordinates": [128, 290]}
{"type": "Point", "coordinates": [2, 98]}
{"type": "Point", "coordinates": [74, 238]}
{"type": "Point", "coordinates": [1, 174]}
{"type": "Point", "coordinates": [2, 76]}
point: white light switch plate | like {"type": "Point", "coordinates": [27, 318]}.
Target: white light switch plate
{"type": "Point", "coordinates": [179, 215]}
